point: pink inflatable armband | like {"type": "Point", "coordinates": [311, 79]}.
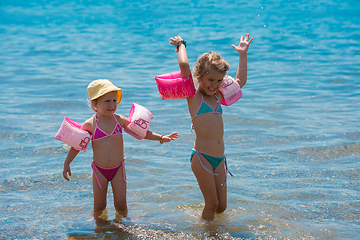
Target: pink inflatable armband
{"type": "Point", "coordinates": [70, 132]}
{"type": "Point", "coordinates": [140, 119]}
{"type": "Point", "coordinates": [172, 86]}
{"type": "Point", "coordinates": [230, 90]}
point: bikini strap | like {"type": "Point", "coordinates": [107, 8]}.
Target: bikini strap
{"type": "Point", "coordinates": [226, 171]}
{"type": "Point", "coordinates": [198, 155]}
{"type": "Point", "coordinates": [116, 119]}
{"type": "Point", "coordinates": [216, 98]}
{"type": "Point", "coordinates": [96, 120]}
{"type": "Point", "coordinates": [202, 98]}
{"type": "Point", "coordinates": [92, 166]}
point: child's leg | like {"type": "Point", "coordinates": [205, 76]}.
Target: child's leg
{"type": "Point", "coordinates": [99, 193]}
{"type": "Point", "coordinates": [220, 188]}
{"type": "Point", "coordinates": [119, 190]}
{"type": "Point", "coordinates": [207, 186]}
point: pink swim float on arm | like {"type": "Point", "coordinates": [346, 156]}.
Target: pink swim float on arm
{"type": "Point", "coordinates": [173, 86]}
{"type": "Point", "coordinates": [230, 90]}
{"type": "Point", "coordinates": [70, 132]}
{"type": "Point", "coordinates": [140, 118]}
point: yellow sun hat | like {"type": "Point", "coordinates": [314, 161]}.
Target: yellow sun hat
{"type": "Point", "coordinates": [100, 87]}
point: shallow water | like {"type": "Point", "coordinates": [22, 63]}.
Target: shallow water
{"type": "Point", "coordinates": [292, 141]}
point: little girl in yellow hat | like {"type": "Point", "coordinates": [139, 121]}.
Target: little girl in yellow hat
{"type": "Point", "coordinates": [107, 143]}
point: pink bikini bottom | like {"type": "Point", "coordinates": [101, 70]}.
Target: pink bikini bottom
{"type": "Point", "coordinates": [108, 173]}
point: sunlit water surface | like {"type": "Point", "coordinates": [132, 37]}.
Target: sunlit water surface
{"type": "Point", "coordinates": [292, 141]}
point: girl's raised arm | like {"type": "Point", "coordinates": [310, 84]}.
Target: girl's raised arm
{"type": "Point", "coordinates": [180, 45]}
{"type": "Point", "coordinates": [242, 48]}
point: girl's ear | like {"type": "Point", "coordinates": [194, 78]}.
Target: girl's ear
{"type": "Point", "coordinates": [93, 104]}
{"type": "Point", "coordinates": [198, 75]}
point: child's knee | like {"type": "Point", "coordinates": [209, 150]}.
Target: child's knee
{"type": "Point", "coordinates": [120, 206]}
{"type": "Point", "coordinates": [99, 207]}
{"type": "Point", "coordinates": [212, 204]}
{"type": "Point", "coordinates": [221, 208]}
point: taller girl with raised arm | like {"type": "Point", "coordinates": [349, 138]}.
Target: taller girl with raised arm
{"type": "Point", "coordinates": [208, 161]}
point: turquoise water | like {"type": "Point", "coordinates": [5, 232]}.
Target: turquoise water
{"type": "Point", "coordinates": [292, 141]}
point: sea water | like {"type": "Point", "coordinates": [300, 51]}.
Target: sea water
{"type": "Point", "coordinates": [292, 141]}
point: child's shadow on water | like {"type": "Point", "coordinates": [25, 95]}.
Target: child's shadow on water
{"type": "Point", "coordinates": [105, 229]}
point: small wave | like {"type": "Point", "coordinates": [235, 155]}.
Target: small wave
{"type": "Point", "coordinates": [338, 150]}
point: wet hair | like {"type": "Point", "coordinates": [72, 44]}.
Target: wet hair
{"type": "Point", "coordinates": [210, 61]}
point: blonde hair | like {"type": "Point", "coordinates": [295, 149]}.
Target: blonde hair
{"type": "Point", "coordinates": [210, 61]}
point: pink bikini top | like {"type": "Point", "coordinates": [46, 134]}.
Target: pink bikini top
{"type": "Point", "coordinates": [98, 133]}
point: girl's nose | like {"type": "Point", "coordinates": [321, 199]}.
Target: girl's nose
{"type": "Point", "coordinates": [113, 104]}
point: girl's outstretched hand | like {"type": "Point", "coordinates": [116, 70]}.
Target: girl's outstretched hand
{"type": "Point", "coordinates": [175, 41]}
{"type": "Point", "coordinates": [243, 45]}
{"type": "Point", "coordinates": [169, 138]}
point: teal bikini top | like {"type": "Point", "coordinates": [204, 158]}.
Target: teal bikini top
{"type": "Point", "coordinates": [204, 108]}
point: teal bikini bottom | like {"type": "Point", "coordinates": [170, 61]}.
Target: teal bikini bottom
{"type": "Point", "coordinates": [214, 161]}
